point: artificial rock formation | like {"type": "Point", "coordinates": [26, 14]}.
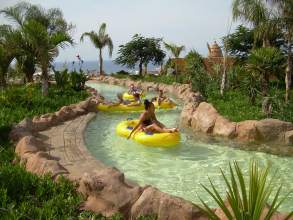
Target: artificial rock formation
{"type": "Point", "coordinates": [203, 117]}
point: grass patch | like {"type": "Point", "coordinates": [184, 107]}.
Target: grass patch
{"type": "Point", "coordinates": [24, 195]}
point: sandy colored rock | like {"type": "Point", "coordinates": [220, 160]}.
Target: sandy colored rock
{"type": "Point", "coordinates": [246, 130]}
{"type": "Point", "coordinates": [186, 115]}
{"type": "Point", "coordinates": [42, 163]}
{"type": "Point", "coordinates": [272, 129]}
{"type": "Point", "coordinates": [289, 137]}
{"type": "Point", "coordinates": [194, 97]}
{"type": "Point", "coordinates": [44, 121]}
{"type": "Point", "coordinates": [204, 118]}
{"type": "Point", "coordinates": [108, 191]}
{"type": "Point", "coordinates": [224, 127]}
{"type": "Point", "coordinates": [22, 129]}
{"type": "Point", "coordinates": [28, 144]}
{"type": "Point", "coordinates": [153, 202]}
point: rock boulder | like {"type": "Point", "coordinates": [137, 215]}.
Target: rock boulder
{"type": "Point", "coordinates": [272, 129]}
{"type": "Point", "coordinates": [153, 202]}
{"type": "Point", "coordinates": [42, 163]}
{"type": "Point", "coordinates": [246, 130]}
{"type": "Point", "coordinates": [224, 127]}
{"type": "Point", "coordinates": [204, 118]}
{"type": "Point", "coordinates": [108, 192]}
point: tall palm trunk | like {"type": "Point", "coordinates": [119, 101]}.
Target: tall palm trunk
{"type": "Point", "coordinates": [224, 78]}
{"type": "Point", "coordinates": [101, 62]}
{"type": "Point", "coordinates": [2, 80]}
{"type": "Point", "coordinates": [176, 69]}
{"type": "Point", "coordinates": [45, 81]}
{"type": "Point", "coordinates": [29, 77]}
{"type": "Point", "coordinates": [288, 72]}
{"type": "Point", "coordinates": [140, 68]}
{"type": "Point", "coordinates": [145, 69]}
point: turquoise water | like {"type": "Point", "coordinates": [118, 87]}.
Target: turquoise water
{"type": "Point", "coordinates": [178, 170]}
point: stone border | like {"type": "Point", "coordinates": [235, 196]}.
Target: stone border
{"type": "Point", "coordinates": [105, 188]}
{"type": "Point", "coordinates": [201, 116]}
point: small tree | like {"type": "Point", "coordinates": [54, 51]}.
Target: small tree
{"type": "Point", "coordinates": [100, 40]}
{"type": "Point", "coordinates": [175, 50]}
{"type": "Point", "coordinates": [198, 77]}
{"type": "Point", "coordinates": [43, 32]}
{"type": "Point", "coordinates": [140, 50]}
{"type": "Point", "coordinates": [265, 62]}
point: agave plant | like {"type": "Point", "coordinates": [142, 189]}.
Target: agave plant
{"type": "Point", "coordinates": [247, 200]}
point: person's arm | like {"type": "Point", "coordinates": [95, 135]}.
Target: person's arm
{"type": "Point", "coordinates": [138, 125]}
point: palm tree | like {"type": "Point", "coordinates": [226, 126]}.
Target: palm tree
{"type": "Point", "coordinates": [37, 45]}
{"type": "Point", "coordinates": [285, 20]}
{"type": "Point", "coordinates": [265, 62]}
{"type": "Point", "coordinates": [259, 15]}
{"type": "Point", "coordinates": [100, 40]}
{"type": "Point", "coordinates": [7, 52]}
{"type": "Point", "coordinates": [45, 47]}
{"type": "Point", "coordinates": [175, 50]}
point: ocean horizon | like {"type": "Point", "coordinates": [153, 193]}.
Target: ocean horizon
{"type": "Point", "coordinates": [109, 66]}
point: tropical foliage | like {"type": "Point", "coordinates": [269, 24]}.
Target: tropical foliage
{"type": "Point", "coordinates": [100, 40]}
{"type": "Point", "coordinates": [142, 51]}
{"type": "Point", "coordinates": [175, 51]}
{"type": "Point", "coordinates": [40, 33]}
{"type": "Point", "coordinates": [246, 199]}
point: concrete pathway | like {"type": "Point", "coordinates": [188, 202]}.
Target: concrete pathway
{"type": "Point", "coordinates": [65, 142]}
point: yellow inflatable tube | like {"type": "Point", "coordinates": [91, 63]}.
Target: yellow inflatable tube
{"type": "Point", "coordinates": [132, 107]}
{"type": "Point", "coordinates": [119, 108]}
{"type": "Point", "coordinates": [153, 139]}
{"type": "Point", "coordinates": [127, 96]}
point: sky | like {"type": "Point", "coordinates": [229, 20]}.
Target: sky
{"type": "Point", "coordinates": [191, 23]}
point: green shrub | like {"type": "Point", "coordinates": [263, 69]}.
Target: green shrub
{"type": "Point", "coordinates": [62, 78]}
{"type": "Point", "coordinates": [247, 198]}
{"type": "Point", "coordinates": [77, 80]}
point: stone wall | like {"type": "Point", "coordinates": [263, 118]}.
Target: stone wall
{"type": "Point", "coordinates": [105, 189]}
{"type": "Point", "coordinates": [201, 116]}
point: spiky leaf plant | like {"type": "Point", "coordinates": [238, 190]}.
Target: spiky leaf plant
{"type": "Point", "coordinates": [247, 199]}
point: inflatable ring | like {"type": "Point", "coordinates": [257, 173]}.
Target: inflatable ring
{"type": "Point", "coordinates": [127, 96]}
{"type": "Point", "coordinates": [119, 108]}
{"type": "Point", "coordinates": [149, 139]}
{"type": "Point", "coordinates": [133, 108]}
{"type": "Point", "coordinates": [164, 104]}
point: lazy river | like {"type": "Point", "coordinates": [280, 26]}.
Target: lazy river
{"type": "Point", "coordinates": [178, 170]}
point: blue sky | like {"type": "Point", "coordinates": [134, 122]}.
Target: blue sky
{"type": "Point", "coordinates": [192, 23]}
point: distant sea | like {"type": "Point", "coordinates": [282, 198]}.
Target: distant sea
{"type": "Point", "coordinates": [92, 66]}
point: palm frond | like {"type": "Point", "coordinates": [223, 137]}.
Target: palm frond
{"type": "Point", "coordinates": [102, 30]}
{"type": "Point", "coordinates": [16, 13]}
{"type": "Point", "coordinates": [174, 49]}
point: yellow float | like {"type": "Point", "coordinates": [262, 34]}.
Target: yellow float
{"type": "Point", "coordinates": [119, 108]}
{"type": "Point", "coordinates": [127, 96]}
{"type": "Point", "coordinates": [153, 139]}
{"type": "Point", "coordinates": [133, 107]}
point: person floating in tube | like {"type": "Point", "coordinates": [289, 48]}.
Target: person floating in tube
{"type": "Point", "coordinates": [148, 122]}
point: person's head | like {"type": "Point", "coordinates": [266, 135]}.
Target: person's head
{"type": "Point", "coordinates": [149, 106]}
{"type": "Point", "coordinates": [120, 97]}
{"type": "Point", "coordinates": [131, 86]}
{"type": "Point", "coordinates": [161, 92]}
{"type": "Point", "coordinates": [136, 96]}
